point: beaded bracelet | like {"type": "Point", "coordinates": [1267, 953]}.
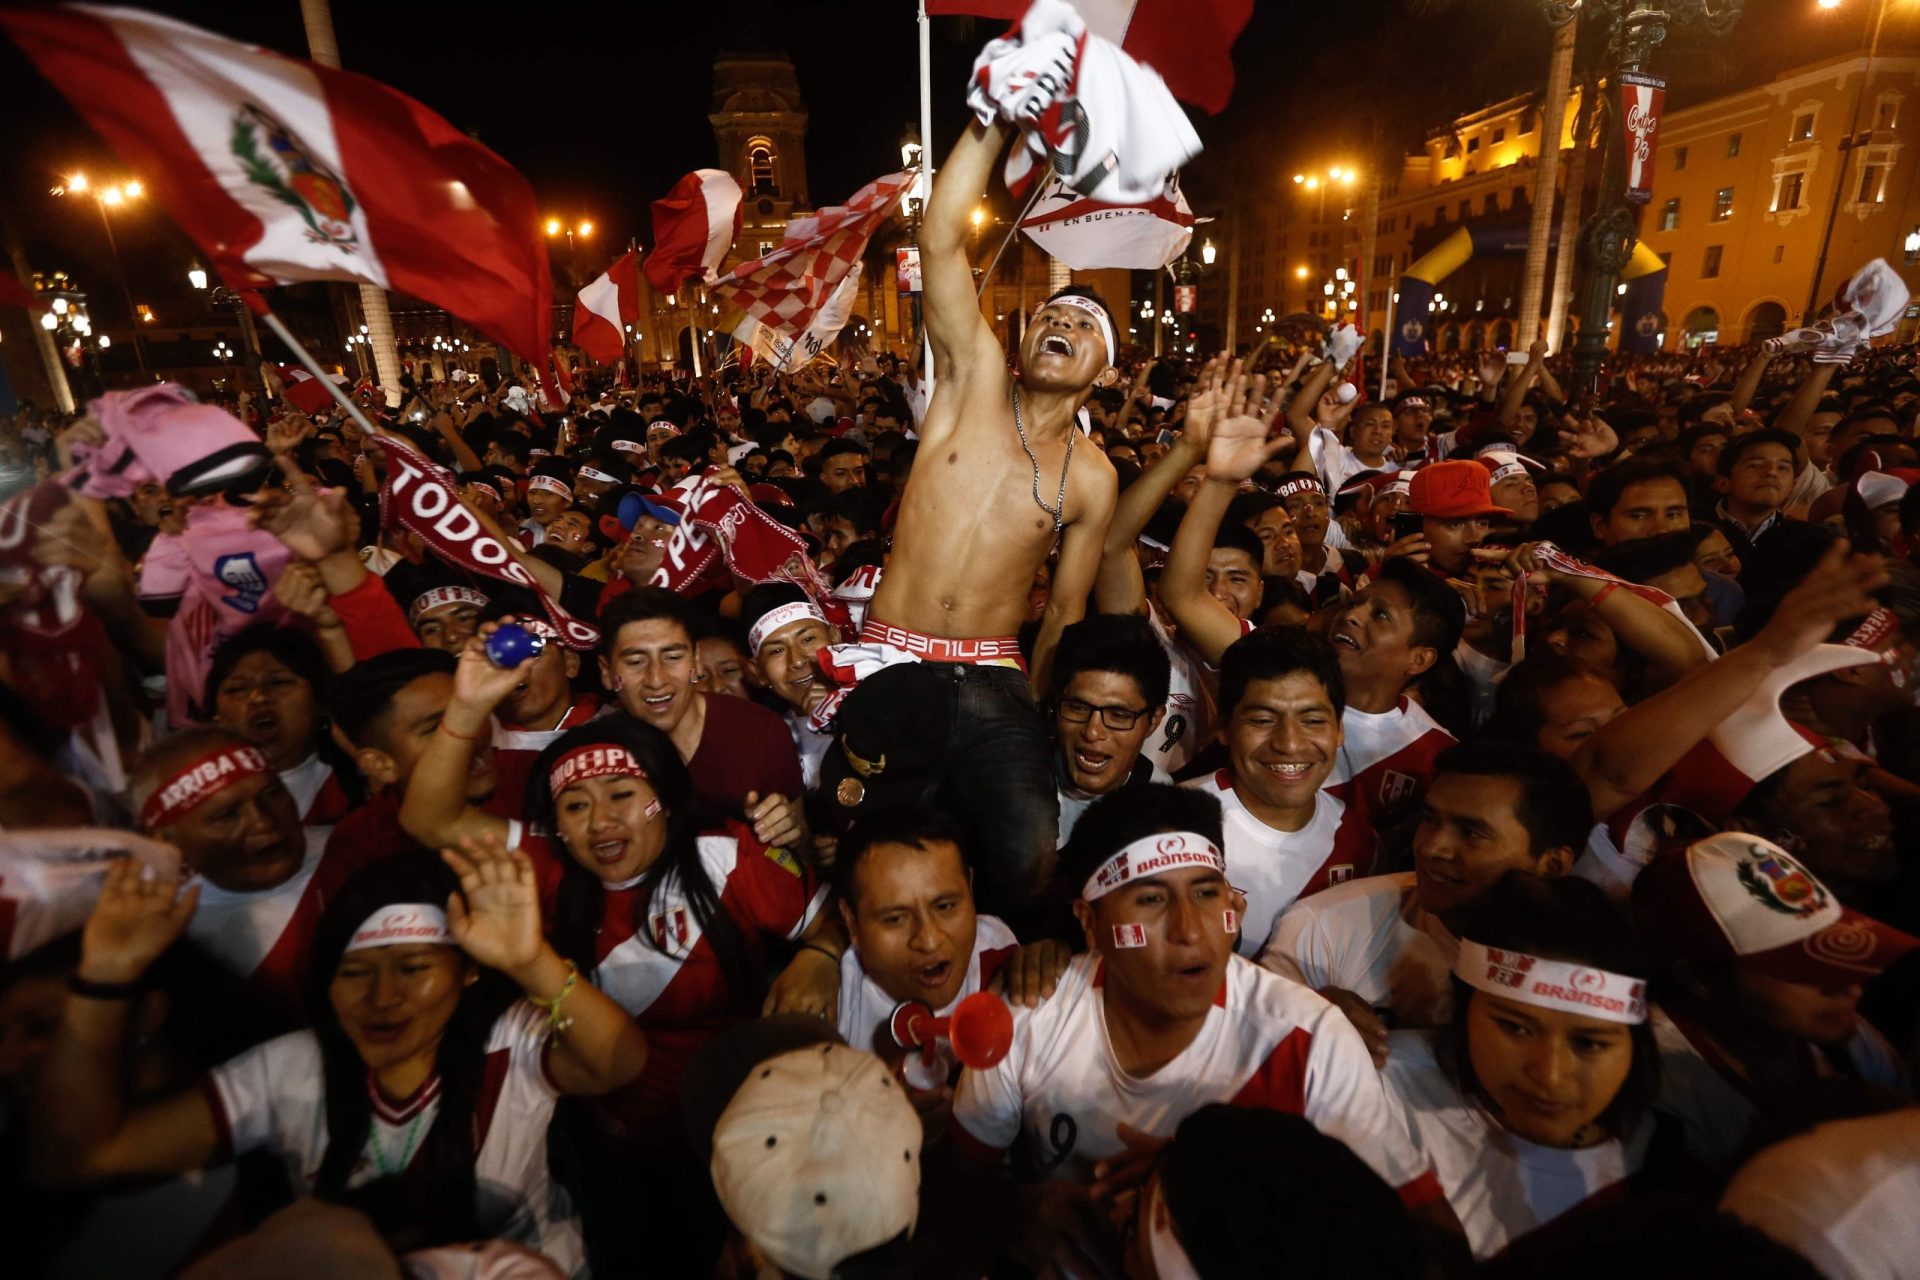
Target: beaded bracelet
{"type": "Point", "coordinates": [557, 1025]}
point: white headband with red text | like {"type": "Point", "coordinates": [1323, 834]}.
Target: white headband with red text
{"type": "Point", "coordinates": [552, 484]}
{"type": "Point", "coordinates": [1093, 309]}
{"type": "Point", "coordinates": [1151, 856]}
{"type": "Point", "coordinates": [435, 597]}
{"type": "Point", "coordinates": [402, 924]}
{"type": "Point", "coordinates": [1552, 984]}
{"type": "Point", "coordinates": [774, 619]}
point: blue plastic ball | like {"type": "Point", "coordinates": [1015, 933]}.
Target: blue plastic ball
{"type": "Point", "coordinates": [512, 644]}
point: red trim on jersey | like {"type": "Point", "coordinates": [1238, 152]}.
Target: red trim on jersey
{"type": "Point", "coordinates": [330, 804]}
{"type": "Point", "coordinates": [1422, 1191]}
{"type": "Point", "coordinates": [421, 1099]}
{"type": "Point", "coordinates": [992, 961]}
{"type": "Point", "coordinates": [1280, 1083]}
{"type": "Point", "coordinates": [972, 1147]}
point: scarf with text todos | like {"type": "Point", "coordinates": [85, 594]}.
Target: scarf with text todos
{"type": "Point", "coordinates": [419, 496]}
{"type": "Point", "coordinates": [605, 309]}
{"type": "Point", "coordinates": [1189, 42]}
{"type": "Point", "coordinates": [693, 227]}
{"type": "Point", "coordinates": [718, 522]}
{"type": "Point", "coordinates": [787, 289]}
{"type": "Point", "coordinates": [283, 171]}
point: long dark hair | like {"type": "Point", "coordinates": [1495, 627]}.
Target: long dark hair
{"type": "Point", "coordinates": [434, 1204]}
{"type": "Point", "coordinates": [1560, 919]}
{"type": "Point", "coordinates": [581, 901]}
{"type": "Point", "coordinates": [299, 653]}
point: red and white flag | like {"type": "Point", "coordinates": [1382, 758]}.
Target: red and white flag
{"type": "Point", "coordinates": [283, 171]}
{"type": "Point", "coordinates": [693, 227]}
{"type": "Point", "coordinates": [606, 307]}
{"type": "Point", "coordinates": [1189, 42]}
{"type": "Point", "coordinates": [1088, 235]}
{"type": "Point", "coordinates": [789, 288]}
{"type": "Point", "coordinates": [304, 391]}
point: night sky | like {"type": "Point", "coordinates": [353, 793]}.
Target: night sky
{"type": "Point", "coordinates": [603, 105]}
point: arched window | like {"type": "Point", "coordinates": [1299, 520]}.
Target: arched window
{"type": "Point", "coordinates": [760, 158]}
{"type": "Point", "coordinates": [1766, 320]}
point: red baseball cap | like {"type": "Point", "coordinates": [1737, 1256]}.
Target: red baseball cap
{"type": "Point", "coordinates": [1735, 897]}
{"type": "Point", "coordinates": [1452, 491]}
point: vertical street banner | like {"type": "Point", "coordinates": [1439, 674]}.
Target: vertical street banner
{"type": "Point", "coordinates": [1642, 98]}
{"type": "Point", "coordinates": [1186, 298]}
{"type": "Point", "coordinates": [906, 269]}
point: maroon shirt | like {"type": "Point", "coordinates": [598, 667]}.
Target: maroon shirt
{"type": "Point", "coordinates": [743, 747]}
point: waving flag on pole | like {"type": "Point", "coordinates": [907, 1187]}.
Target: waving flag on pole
{"type": "Point", "coordinates": [1088, 235]}
{"type": "Point", "coordinates": [693, 227]}
{"type": "Point", "coordinates": [783, 352]}
{"type": "Point", "coordinates": [1189, 42]}
{"type": "Point", "coordinates": [606, 307]}
{"type": "Point", "coordinates": [789, 288]}
{"type": "Point", "coordinates": [304, 391]}
{"type": "Point", "coordinates": [283, 171]}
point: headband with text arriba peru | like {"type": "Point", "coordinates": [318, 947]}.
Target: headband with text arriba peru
{"type": "Point", "coordinates": [1552, 984]}
{"type": "Point", "coordinates": [185, 790]}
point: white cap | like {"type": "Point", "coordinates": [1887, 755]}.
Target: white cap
{"type": "Point", "coordinates": [817, 1158]}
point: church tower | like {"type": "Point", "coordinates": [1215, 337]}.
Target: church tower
{"type": "Point", "coordinates": [760, 127]}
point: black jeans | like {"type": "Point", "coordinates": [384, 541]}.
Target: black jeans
{"type": "Point", "coordinates": [999, 776]}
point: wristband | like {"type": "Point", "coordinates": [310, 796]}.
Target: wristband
{"type": "Point", "coordinates": [814, 946]}
{"type": "Point", "coordinates": [442, 727]}
{"type": "Point", "coordinates": [80, 986]}
{"type": "Point", "coordinates": [1604, 592]}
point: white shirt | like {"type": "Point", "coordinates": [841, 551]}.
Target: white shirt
{"type": "Point", "coordinates": [1386, 759]}
{"type": "Point", "coordinates": [810, 743]}
{"type": "Point", "coordinates": [1192, 692]}
{"type": "Point", "coordinates": [1266, 1042]}
{"type": "Point", "coordinates": [1074, 802]}
{"type": "Point", "coordinates": [1370, 937]}
{"type": "Point", "coordinates": [241, 929]}
{"type": "Point", "coordinates": [866, 1011]}
{"type": "Point", "coordinates": [273, 1098]}
{"type": "Point", "coordinates": [1500, 1185]}
{"type": "Point", "coordinates": [1841, 1196]}
{"type": "Point", "coordinates": [304, 780]}
{"type": "Point", "coordinates": [1274, 868]}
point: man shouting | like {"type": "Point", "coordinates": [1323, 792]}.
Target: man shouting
{"type": "Point", "coordinates": [997, 485]}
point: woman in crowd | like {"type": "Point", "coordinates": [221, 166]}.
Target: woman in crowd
{"type": "Point", "coordinates": [268, 684]}
{"type": "Point", "coordinates": [423, 1091]}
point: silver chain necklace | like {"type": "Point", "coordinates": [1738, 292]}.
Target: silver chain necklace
{"type": "Point", "coordinates": [1059, 507]}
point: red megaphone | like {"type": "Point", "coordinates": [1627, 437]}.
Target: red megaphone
{"type": "Point", "coordinates": [980, 1029]}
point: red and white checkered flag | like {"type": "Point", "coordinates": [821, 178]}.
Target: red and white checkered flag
{"type": "Point", "coordinates": [786, 289]}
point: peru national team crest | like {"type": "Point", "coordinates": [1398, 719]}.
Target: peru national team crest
{"type": "Point", "coordinates": [1779, 883]}
{"type": "Point", "coordinates": [671, 931]}
{"type": "Point", "coordinates": [1396, 788]}
{"type": "Point", "coordinates": [1340, 873]}
{"type": "Point", "coordinates": [275, 158]}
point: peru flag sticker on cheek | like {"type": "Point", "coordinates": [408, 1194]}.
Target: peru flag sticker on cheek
{"type": "Point", "coordinates": [1127, 936]}
{"type": "Point", "coordinates": [1231, 918]}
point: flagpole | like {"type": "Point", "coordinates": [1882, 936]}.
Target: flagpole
{"type": "Point", "coordinates": [1386, 334]}
{"type": "Point", "coordinates": [305, 357]}
{"type": "Point", "coordinates": [926, 154]}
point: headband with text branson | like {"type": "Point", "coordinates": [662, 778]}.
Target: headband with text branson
{"type": "Point", "coordinates": [1151, 856]}
{"type": "Point", "coordinates": [1092, 308]}
{"type": "Point", "coordinates": [187, 788]}
{"type": "Point", "coordinates": [1552, 984]}
{"type": "Point", "coordinates": [419, 496]}
{"type": "Point", "coordinates": [402, 924]}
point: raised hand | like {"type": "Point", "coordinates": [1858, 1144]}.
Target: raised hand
{"type": "Point", "coordinates": [496, 915]}
{"type": "Point", "coordinates": [1206, 403]}
{"type": "Point", "coordinates": [312, 523]}
{"type": "Point", "coordinates": [1239, 445]}
{"type": "Point", "coordinates": [480, 686]}
{"type": "Point", "coordinates": [140, 913]}
{"type": "Point", "coordinates": [302, 590]}
{"type": "Point", "coordinates": [1590, 437]}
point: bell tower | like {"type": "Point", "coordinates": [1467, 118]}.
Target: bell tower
{"type": "Point", "coordinates": [760, 128]}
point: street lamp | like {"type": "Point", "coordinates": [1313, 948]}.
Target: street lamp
{"type": "Point", "coordinates": [112, 196]}
{"type": "Point", "coordinates": [1606, 240]}
{"type": "Point", "coordinates": [221, 296]}
{"type": "Point", "coordinates": [1913, 246]}
{"type": "Point", "coordinates": [1208, 253]}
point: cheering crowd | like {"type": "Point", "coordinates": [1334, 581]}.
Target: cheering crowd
{"type": "Point", "coordinates": [1465, 830]}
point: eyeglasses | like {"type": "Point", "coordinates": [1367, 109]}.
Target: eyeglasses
{"type": "Point", "coordinates": [1119, 719]}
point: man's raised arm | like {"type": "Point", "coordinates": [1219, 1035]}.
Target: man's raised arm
{"type": "Point", "coordinates": [962, 341]}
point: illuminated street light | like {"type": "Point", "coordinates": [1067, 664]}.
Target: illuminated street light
{"type": "Point", "coordinates": [1300, 273]}
{"type": "Point", "coordinates": [113, 196]}
{"type": "Point", "coordinates": [1208, 253]}
{"type": "Point", "coordinates": [197, 276]}
{"type": "Point", "coordinates": [50, 321]}
{"type": "Point", "coordinates": [553, 226]}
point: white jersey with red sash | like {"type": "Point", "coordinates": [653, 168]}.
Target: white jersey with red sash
{"type": "Point", "coordinates": [672, 980]}
{"type": "Point", "coordinates": [534, 741]}
{"type": "Point", "coordinates": [1192, 694]}
{"type": "Point", "coordinates": [266, 935]}
{"type": "Point", "coordinates": [1277, 868]}
{"type": "Point", "coordinates": [866, 1011]}
{"type": "Point", "coordinates": [273, 1098]}
{"type": "Point", "coordinates": [317, 793]}
{"type": "Point", "coordinates": [1499, 1185]}
{"type": "Point", "coordinates": [1386, 760]}
{"type": "Point", "coordinates": [1370, 937]}
{"type": "Point", "coordinates": [1266, 1042]}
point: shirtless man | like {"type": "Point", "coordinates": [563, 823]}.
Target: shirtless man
{"type": "Point", "coordinates": [996, 486]}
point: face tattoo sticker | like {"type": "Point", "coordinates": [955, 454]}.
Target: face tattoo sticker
{"type": "Point", "coordinates": [1128, 936]}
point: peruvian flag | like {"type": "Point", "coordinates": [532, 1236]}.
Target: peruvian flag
{"type": "Point", "coordinates": [693, 227]}
{"type": "Point", "coordinates": [304, 391]}
{"type": "Point", "coordinates": [1189, 42]}
{"type": "Point", "coordinates": [283, 171]}
{"type": "Point", "coordinates": [606, 307]}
